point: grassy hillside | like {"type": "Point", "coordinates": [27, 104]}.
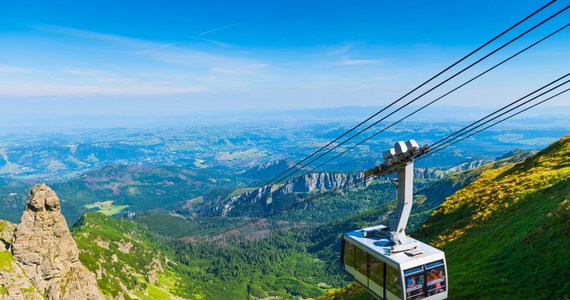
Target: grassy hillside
{"type": "Point", "coordinates": [270, 261]}
{"type": "Point", "coordinates": [138, 188]}
{"type": "Point", "coordinates": [127, 260]}
{"type": "Point", "coordinates": [160, 264]}
{"type": "Point", "coordinates": [506, 235]}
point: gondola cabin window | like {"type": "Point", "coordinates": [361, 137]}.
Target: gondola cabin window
{"type": "Point", "coordinates": [393, 284]}
{"type": "Point", "coordinates": [376, 275]}
{"type": "Point", "coordinates": [349, 254]}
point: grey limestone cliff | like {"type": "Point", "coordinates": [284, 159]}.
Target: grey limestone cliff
{"type": "Point", "coordinates": [304, 184]}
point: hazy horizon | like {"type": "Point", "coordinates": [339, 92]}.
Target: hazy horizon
{"type": "Point", "coordinates": [185, 58]}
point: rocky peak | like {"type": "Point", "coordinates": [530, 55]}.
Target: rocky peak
{"type": "Point", "coordinates": [323, 181]}
{"type": "Point", "coordinates": [44, 248]}
{"type": "Point", "coordinates": [43, 198]}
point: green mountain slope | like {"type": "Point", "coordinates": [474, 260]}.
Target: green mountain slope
{"type": "Point", "coordinates": [270, 260]}
{"type": "Point", "coordinates": [506, 235]}
{"type": "Point", "coordinates": [128, 261]}
{"type": "Point", "coordinates": [138, 187]}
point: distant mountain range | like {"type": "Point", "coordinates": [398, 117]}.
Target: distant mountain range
{"type": "Point", "coordinates": [442, 113]}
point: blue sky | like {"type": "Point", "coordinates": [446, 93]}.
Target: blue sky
{"type": "Point", "coordinates": [178, 57]}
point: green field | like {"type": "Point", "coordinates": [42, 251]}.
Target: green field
{"type": "Point", "coordinates": [106, 207]}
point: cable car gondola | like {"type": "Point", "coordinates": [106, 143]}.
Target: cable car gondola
{"type": "Point", "coordinates": [383, 259]}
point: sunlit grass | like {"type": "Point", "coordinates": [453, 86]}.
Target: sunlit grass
{"type": "Point", "coordinates": [107, 207]}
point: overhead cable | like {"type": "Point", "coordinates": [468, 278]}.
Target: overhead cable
{"type": "Point", "coordinates": [274, 179]}
{"type": "Point", "coordinates": [365, 178]}
{"type": "Point", "coordinates": [433, 88]}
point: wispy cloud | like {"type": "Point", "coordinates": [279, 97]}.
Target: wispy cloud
{"type": "Point", "coordinates": [86, 34]}
{"type": "Point", "coordinates": [225, 71]}
{"type": "Point", "coordinates": [340, 50]}
{"type": "Point", "coordinates": [223, 28]}
{"type": "Point", "coordinates": [139, 67]}
{"type": "Point", "coordinates": [166, 52]}
{"type": "Point", "coordinates": [42, 90]}
{"type": "Point", "coordinates": [13, 69]}
{"type": "Point", "coordinates": [217, 43]}
{"type": "Point", "coordinates": [156, 48]}
{"type": "Point", "coordinates": [98, 75]}
{"type": "Point", "coordinates": [357, 62]}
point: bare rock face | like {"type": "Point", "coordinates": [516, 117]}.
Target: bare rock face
{"type": "Point", "coordinates": [323, 181]}
{"type": "Point", "coordinates": [6, 234]}
{"type": "Point", "coordinates": [46, 251]}
{"type": "Point", "coordinates": [14, 284]}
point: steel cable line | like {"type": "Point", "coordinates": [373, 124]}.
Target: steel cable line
{"type": "Point", "coordinates": [498, 122]}
{"type": "Point", "coordinates": [423, 94]}
{"type": "Point", "coordinates": [355, 182]}
{"type": "Point", "coordinates": [277, 178]}
{"type": "Point", "coordinates": [410, 92]}
{"type": "Point", "coordinates": [444, 140]}
{"type": "Point", "coordinates": [504, 113]}
{"type": "Point", "coordinates": [433, 101]}
{"type": "Point", "coordinates": [352, 217]}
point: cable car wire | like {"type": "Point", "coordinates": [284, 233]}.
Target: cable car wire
{"type": "Point", "coordinates": [498, 122]}
{"type": "Point", "coordinates": [278, 177]}
{"type": "Point", "coordinates": [502, 114]}
{"type": "Point", "coordinates": [410, 92]}
{"type": "Point", "coordinates": [435, 100]}
{"type": "Point", "coordinates": [433, 88]}
{"type": "Point", "coordinates": [355, 182]}
{"type": "Point", "coordinates": [441, 141]}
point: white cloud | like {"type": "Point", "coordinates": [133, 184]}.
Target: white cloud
{"type": "Point", "coordinates": [13, 69]}
{"type": "Point", "coordinates": [163, 52]}
{"type": "Point", "coordinates": [225, 71]}
{"type": "Point", "coordinates": [85, 34]}
{"type": "Point", "coordinates": [140, 67]}
{"type": "Point", "coordinates": [42, 90]}
{"type": "Point", "coordinates": [357, 62]}
{"type": "Point", "coordinates": [98, 75]}
{"type": "Point", "coordinates": [156, 48]}
{"type": "Point", "coordinates": [339, 50]}
{"type": "Point", "coordinates": [223, 27]}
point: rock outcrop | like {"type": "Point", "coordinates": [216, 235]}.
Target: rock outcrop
{"type": "Point", "coordinates": [268, 170]}
{"type": "Point", "coordinates": [13, 281]}
{"type": "Point", "coordinates": [304, 184]}
{"type": "Point", "coordinates": [428, 173]}
{"type": "Point", "coordinates": [469, 165]}
{"type": "Point", "coordinates": [47, 253]}
{"type": "Point", "coordinates": [324, 182]}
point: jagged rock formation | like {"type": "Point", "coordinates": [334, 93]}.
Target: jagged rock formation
{"type": "Point", "coordinates": [516, 155]}
{"type": "Point", "coordinates": [428, 173]}
{"type": "Point", "coordinates": [6, 234]}
{"type": "Point", "coordinates": [324, 181]}
{"type": "Point", "coordinates": [46, 252]}
{"type": "Point", "coordinates": [13, 281]}
{"type": "Point", "coordinates": [469, 165]}
{"type": "Point", "coordinates": [303, 184]}
{"type": "Point", "coordinates": [267, 170]}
